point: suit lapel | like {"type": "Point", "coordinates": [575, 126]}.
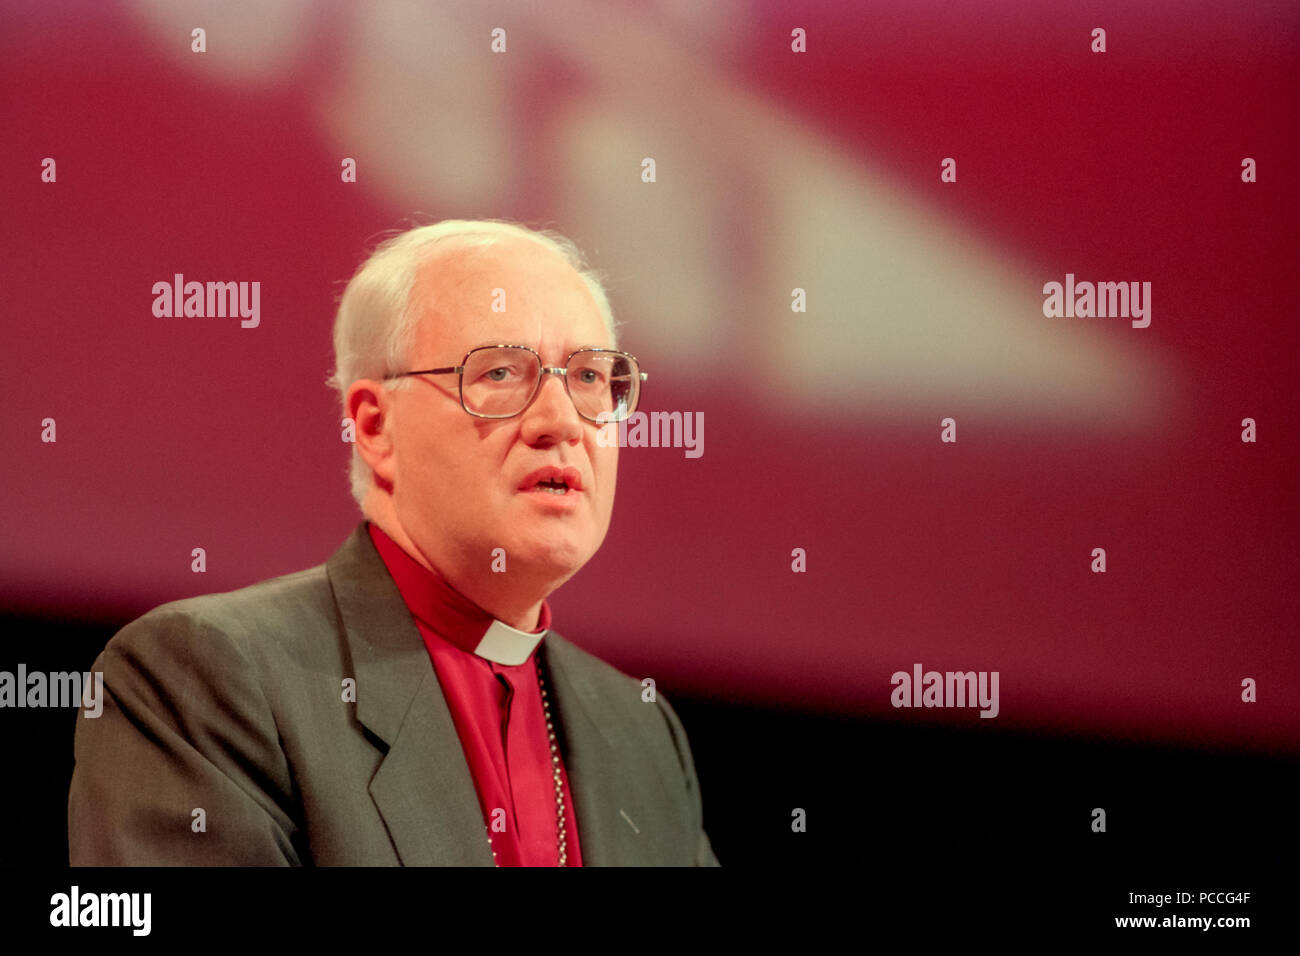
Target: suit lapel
{"type": "Point", "coordinates": [606, 785]}
{"type": "Point", "coordinates": [423, 789]}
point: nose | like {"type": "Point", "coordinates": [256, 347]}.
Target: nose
{"type": "Point", "coordinates": [551, 418]}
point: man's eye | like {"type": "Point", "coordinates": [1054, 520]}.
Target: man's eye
{"type": "Point", "coordinates": [500, 374]}
{"type": "Point", "coordinates": [589, 376]}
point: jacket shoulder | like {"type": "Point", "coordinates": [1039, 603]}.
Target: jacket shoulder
{"type": "Point", "coordinates": [283, 611]}
{"type": "Point", "coordinates": [590, 666]}
{"type": "Point", "coordinates": [620, 693]}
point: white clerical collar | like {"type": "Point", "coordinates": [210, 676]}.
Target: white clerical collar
{"type": "Point", "coordinates": [503, 644]}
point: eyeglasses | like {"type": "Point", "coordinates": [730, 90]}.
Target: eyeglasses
{"type": "Point", "coordinates": [500, 381]}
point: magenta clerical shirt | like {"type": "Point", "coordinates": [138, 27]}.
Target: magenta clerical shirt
{"type": "Point", "coordinates": [488, 674]}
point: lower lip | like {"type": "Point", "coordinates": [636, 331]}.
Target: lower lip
{"type": "Point", "coordinates": [549, 499]}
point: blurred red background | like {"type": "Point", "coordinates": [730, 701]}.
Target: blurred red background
{"type": "Point", "coordinates": [775, 170]}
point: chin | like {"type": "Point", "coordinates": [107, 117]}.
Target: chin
{"type": "Point", "coordinates": [563, 557]}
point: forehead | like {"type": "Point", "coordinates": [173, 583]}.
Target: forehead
{"type": "Point", "coordinates": [460, 289]}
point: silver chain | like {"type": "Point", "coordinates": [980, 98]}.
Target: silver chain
{"type": "Point", "coordinates": [555, 772]}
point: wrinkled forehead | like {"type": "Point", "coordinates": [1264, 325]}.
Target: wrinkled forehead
{"type": "Point", "coordinates": [516, 291]}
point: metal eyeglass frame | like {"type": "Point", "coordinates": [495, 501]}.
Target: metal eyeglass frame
{"type": "Point", "coordinates": [562, 371]}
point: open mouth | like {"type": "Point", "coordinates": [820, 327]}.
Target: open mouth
{"type": "Point", "coordinates": [554, 486]}
{"type": "Point", "coordinates": [560, 482]}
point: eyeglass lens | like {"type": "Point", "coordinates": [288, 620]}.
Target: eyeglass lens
{"type": "Point", "coordinates": [499, 382]}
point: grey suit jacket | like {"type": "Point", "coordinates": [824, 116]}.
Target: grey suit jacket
{"type": "Point", "coordinates": [232, 704]}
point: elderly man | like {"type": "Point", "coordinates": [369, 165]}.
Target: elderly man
{"type": "Point", "coordinates": [408, 702]}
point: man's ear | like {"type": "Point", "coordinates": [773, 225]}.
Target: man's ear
{"type": "Point", "coordinates": [370, 406]}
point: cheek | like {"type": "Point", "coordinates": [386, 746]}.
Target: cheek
{"type": "Point", "coordinates": [448, 477]}
{"type": "Point", "coordinates": [472, 463]}
{"type": "Point", "coordinates": [606, 468]}
{"type": "Point", "coordinates": [435, 469]}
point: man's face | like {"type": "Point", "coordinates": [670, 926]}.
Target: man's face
{"type": "Point", "coordinates": [461, 484]}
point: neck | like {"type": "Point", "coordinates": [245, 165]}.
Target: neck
{"type": "Point", "coordinates": [516, 601]}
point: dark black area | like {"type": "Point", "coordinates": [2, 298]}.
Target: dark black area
{"type": "Point", "coordinates": [991, 804]}
{"type": "Point", "coordinates": [965, 809]}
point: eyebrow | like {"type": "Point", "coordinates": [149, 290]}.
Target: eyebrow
{"type": "Point", "coordinates": [493, 342]}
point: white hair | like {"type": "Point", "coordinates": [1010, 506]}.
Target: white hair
{"type": "Point", "coordinates": [376, 320]}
